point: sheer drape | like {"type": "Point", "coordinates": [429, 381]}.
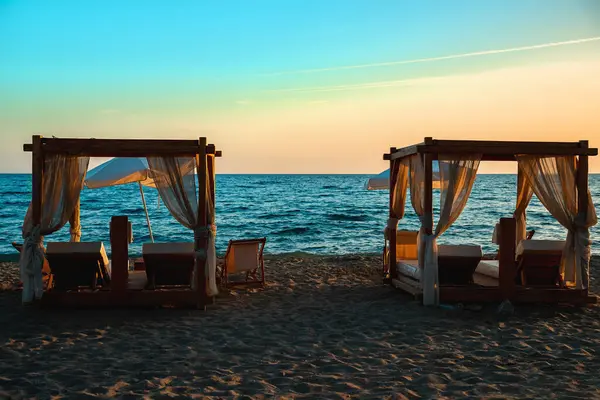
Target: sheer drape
{"type": "Point", "coordinates": [417, 196]}
{"type": "Point", "coordinates": [524, 194]}
{"type": "Point", "coordinates": [398, 195]}
{"type": "Point", "coordinates": [553, 180]}
{"type": "Point", "coordinates": [457, 177]}
{"type": "Point", "coordinates": [62, 181]}
{"type": "Point", "coordinates": [176, 184]}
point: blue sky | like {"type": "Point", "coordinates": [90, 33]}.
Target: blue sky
{"type": "Point", "coordinates": [64, 62]}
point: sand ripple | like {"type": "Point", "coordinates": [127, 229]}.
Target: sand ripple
{"type": "Point", "coordinates": [324, 327]}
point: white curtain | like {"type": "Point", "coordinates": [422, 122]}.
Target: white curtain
{"type": "Point", "coordinates": [398, 195]}
{"type": "Point", "coordinates": [176, 183]}
{"type": "Point", "coordinates": [524, 194]}
{"type": "Point", "coordinates": [62, 181]}
{"type": "Point", "coordinates": [417, 197]}
{"type": "Point", "coordinates": [553, 180]}
{"type": "Point", "coordinates": [457, 177]}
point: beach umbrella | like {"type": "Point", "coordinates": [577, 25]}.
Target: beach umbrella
{"type": "Point", "coordinates": [121, 171]}
{"type": "Point", "coordinates": [381, 181]}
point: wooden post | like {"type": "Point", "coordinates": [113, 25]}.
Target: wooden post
{"type": "Point", "coordinates": [391, 232]}
{"type": "Point", "coordinates": [119, 245]}
{"type": "Point", "coordinates": [211, 175]}
{"type": "Point", "coordinates": [37, 173]}
{"type": "Point", "coordinates": [507, 268]}
{"type": "Point", "coordinates": [201, 242]}
{"type": "Point", "coordinates": [582, 195]}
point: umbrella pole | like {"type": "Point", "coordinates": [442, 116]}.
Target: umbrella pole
{"type": "Point", "coordinates": [146, 210]}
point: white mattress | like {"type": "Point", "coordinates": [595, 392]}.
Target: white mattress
{"type": "Point", "coordinates": [489, 268]}
{"type": "Point", "coordinates": [459, 250]}
{"type": "Point", "coordinates": [168, 248]}
{"type": "Point", "coordinates": [409, 268]}
{"type": "Point", "coordinates": [540, 246]}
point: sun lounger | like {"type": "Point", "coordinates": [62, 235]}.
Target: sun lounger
{"type": "Point", "coordinates": [168, 264]}
{"type": "Point", "coordinates": [76, 265]}
{"type": "Point", "coordinates": [244, 256]}
{"type": "Point", "coordinates": [457, 263]}
{"type": "Point", "coordinates": [538, 262]}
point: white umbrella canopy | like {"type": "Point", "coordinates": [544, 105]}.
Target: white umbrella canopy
{"type": "Point", "coordinates": [119, 171]}
{"type": "Point", "coordinates": [379, 182]}
{"type": "Point", "coordinates": [382, 180]}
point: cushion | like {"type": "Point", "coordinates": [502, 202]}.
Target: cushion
{"type": "Point", "coordinates": [409, 268]}
{"type": "Point", "coordinates": [489, 268]}
{"type": "Point", "coordinates": [179, 248]}
{"type": "Point", "coordinates": [78, 248]}
{"type": "Point", "coordinates": [461, 250]}
{"type": "Point", "coordinates": [540, 246]}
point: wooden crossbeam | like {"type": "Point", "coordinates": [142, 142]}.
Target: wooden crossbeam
{"type": "Point", "coordinates": [121, 147]}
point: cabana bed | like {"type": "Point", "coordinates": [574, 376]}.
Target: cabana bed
{"type": "Point", "coordinates": [526, 270]}
{"type": "Point", "coordinates": [59, 167]}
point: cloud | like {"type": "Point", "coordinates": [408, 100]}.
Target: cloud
{"type": "Point", "coordinates": [442, 58]}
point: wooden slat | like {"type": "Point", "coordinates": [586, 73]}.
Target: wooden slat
{"type": "Point", "coordinates": [402, 153]}
{"type": "Point", "coordinates": [507, 249]}
{"type": "Point", "coordinates": [508, 150]}
{"type": "Point", "coordinates": [202, 242]}
{"type": "Point", "coordinates": [392, 233]}
{"type": "Point", "coordinates": [582, 194]}
{"type": "Point", "coordinates": [407, 285]}
{"type": "Point", "coordinates": [120, 147]}
{"type": "Point", "coordinates": [119, 245]}
{"type": "Point", "coordinates": [495, 150]}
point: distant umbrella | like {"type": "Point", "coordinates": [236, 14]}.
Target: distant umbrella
{"type": "Point", "coordinates": [382, 180]}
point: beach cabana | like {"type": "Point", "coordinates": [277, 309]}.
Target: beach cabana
{"type": "Point", "coordinates": [58, 173]}
{"type": "Point", "coordinates": [556, 172]}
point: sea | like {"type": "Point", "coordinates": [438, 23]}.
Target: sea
{"type": "Point", "coordinates": [316, 214]}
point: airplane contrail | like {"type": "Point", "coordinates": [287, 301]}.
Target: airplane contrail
{"type": "Point", "coordinates": [441, 58]}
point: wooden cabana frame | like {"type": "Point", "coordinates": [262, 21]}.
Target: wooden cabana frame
{"type": "Point", "coordinates": [119, 293]}
{"type": "Point", "coordinates": [429, 150]}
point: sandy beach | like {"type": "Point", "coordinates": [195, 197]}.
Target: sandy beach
{"type": "Point", "coordinates": [324, 327]}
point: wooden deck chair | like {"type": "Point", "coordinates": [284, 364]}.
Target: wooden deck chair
{"type": "Point", "coordinates": [168, 264]}
{"type": "Point", "coordinates": [538, 262]}
{"type": "Point", "coordinates": [76, 265]}
{"type": "Point", "coordinates": [244, 256]}
{"type": "Point", "coordinates": [457, 263]}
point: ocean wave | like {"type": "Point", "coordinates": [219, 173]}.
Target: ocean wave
{"type": "Point", "coordinates": [347, 217]}
{"type": "Point", "coordinates": [296, 231]}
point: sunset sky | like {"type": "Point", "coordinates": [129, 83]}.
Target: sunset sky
{"type": "Point", "coordinates": [299, 86]}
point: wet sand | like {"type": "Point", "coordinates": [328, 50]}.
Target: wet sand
{"type": "Point", "coordinates": [324, 327]}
